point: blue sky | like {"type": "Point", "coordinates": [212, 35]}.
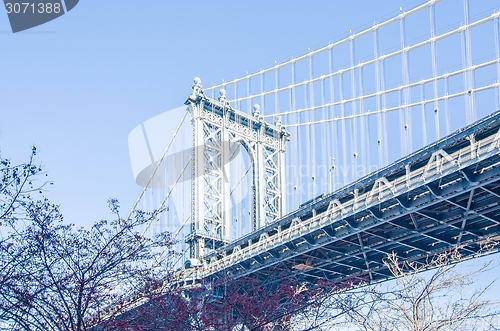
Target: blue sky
{"type": "Point", "coordinates": [76, 86]}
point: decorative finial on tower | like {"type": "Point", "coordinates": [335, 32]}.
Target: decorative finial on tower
{"type": "Point", "coordinates": [277, 121]}
{"type": "Point", "coordinates": [223, 98]}
{"type": "Point", "coordinates": [256, 110]}
{"type": "Point", "coordinates": [197, 89]}
{"type": "Point", "coordinates": [256, 113]}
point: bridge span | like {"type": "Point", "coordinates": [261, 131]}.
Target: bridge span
{"type": "Point", "coordinates": [444, 195]}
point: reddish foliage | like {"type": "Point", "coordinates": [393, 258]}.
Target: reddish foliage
{"type": "Point", "coordinates": [229, 304]}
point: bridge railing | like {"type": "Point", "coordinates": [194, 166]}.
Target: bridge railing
{"type": "Point", "coordinates": [439, 164]}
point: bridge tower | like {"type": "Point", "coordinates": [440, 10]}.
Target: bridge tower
{"type": "Point", "coordinates": [218, 130]}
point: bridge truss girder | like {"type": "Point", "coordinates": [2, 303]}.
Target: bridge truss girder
{"type": "Point", "coordinates": [447, 195]}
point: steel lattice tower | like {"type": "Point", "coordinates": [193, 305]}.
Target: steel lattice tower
{"type": "Point", "coordinates": [217, 130]}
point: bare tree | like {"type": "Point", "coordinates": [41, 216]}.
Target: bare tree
{"type": "Point", "coordinates": [17, 183]}
{"type": "Point", "coordinates": [54, 276]}
{"type": "Point", "coordinates": [443, 298]}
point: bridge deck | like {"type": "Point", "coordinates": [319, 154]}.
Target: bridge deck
{"type": "Point", "coordinates": [444, 195]}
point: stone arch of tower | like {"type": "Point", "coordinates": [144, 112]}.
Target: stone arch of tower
{"type": "Point", "coordinates": [217, 128]}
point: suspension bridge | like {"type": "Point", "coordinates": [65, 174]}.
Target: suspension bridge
{"type": "Point", "coordinates": [308, 169]}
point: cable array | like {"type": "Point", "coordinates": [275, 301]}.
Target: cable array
{"type": "Point", "coordinates": [360, 103]}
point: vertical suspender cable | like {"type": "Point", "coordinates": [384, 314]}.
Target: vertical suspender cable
{"type": "Point", "coordinates": [224, 87]}
{"type": "Point", "coordinates": [262, 99]}
{"type": "Point", "coordinates": [276, 96]}
{"type": "Point", "coordinates": [384, 115]}
{"type": "Point", "coordinates": [312, 133]}
{"type": "Point", "coordinates": [446, 106]}
{"type": "Point", "coordinates": [407, 125]}
{"type": "Point", "coordinates": [343, 142]}
{"type": "Point", "coordinates": [424, 122]}
{"type": "Point", "coordinates": [365, 154]}
{"type": "Point", "coordinates": [297, 180]}
{"type": "Point", "coordinates": [238, 105]}
{"type": "Point", "coordinates": [434, 68]}
{"type": "Point", "coordinates": [403, 126]}
{"type": "Point", "coordinates": [324, 175]}
{"type": "Point", "coordinates": [497, 51]}
{"type": "Point", "coordinates": [471, 70]}
{"type": "Point", "coordinates": [307, 145]}
{"type": "Point", "coordinates": [467, 64]}
{"type": "Point", "coordinates": [291, 162]}
{"type": "Point", "coordinates": [333, 125]}
{"type": "Point", "coordinates": [380, 141]}
{"type": "Point", "coordinates": [354, 130]}
{"type": "Point", "coordinates": [464, 75]}
{"type": "Point", "coordinates": [249, 100]}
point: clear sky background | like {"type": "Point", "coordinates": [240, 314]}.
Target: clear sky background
{"type": "Point", "coordinates": [75, 87]}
